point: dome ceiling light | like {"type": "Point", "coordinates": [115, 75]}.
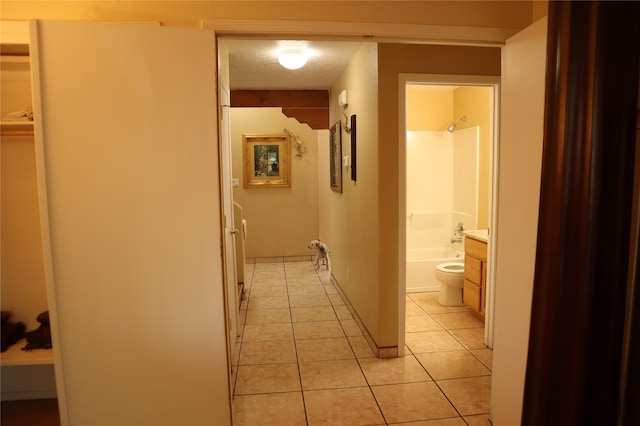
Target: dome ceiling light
{"type": "Point", "coordinates": [292, 58]}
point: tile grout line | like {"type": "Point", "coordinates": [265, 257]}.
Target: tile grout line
{"type": "Point", "coordinates": [240, 341]}
{"type": "Point", "coordinates": [373, 395]}
{"type": "Point", "coordinates": [435, 382]}
{"type": "Point", "coordinates": [288, 275]}
{"type": "Point", "coordinates": [466, 349]}
{"type": "Point", "coordinates": [355, 356]}
{"type": "Point", "coordinates": [295, 347]}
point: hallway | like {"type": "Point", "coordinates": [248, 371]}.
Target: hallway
{"type": "Point", "coordinates": [302, 360]}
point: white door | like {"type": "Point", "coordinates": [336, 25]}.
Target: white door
{"type": "Point", "coordinates": [128, 173]}
{"type": "Point", "coordinates": [521, 131]}
{"type": "Point", "coordinates": [230, 230]}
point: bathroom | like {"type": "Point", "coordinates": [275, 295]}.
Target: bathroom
{"type": "Point", "coordinates": [448, 169]}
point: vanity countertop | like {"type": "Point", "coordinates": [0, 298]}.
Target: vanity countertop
{"type": "Point", "coordinates": [478, 234]}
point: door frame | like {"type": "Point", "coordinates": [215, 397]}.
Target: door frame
{"type": "Point", "coordinates": [492, 82]}
{"type": "Point", "coordinates": [395, 33]}
{"type": "Point", "coordinates": [362, 31]}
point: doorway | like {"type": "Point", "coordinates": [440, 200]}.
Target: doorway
{"type": "Point", "coordinates": [464, 167]}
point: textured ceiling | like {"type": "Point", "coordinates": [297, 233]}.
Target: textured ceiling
{"type": "Point", "coordinates": [253, 64]}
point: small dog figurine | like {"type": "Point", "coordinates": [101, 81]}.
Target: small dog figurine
{"type": "Point", "coordinates": [322, 252]}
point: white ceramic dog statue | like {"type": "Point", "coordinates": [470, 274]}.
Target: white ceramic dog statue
{"type": "Point", "coordinates": [322, 253]}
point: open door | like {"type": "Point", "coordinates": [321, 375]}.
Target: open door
{"type": "Point", "coordinates": [520, 152]}
{"type": "Point", "coordinates": [128, 174]}
{"type": "Point", "coordinates": [231, 232]}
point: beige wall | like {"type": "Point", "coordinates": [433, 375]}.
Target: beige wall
{"type": "Point", "coordinates": [502, 14]}
{"type": "Point", "coordinates": [22, 267]}
{"type": "Point", "coordinates": [540, 9]}
{"type": "Point", "coordinates": [23, 284]}
{"type": "Point", "coordinates": [428, 109]}
{"type": "Point", "coordinates": [353, 213]}
{"type": "Point", "coordinates": [374, 290]}
{"type": "Point", "coordinates": [393, 60]}
{"type": "Point", "coordinates": [280, 221]}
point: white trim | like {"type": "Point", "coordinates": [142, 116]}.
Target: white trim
{"type": "Point", "coordinates": [43, 202]}
{"type": "Point", "coordinates": [494, 164]}
{"type": "Point", "coordinates": [366, 31]}
{"type": "Point", "coordinates": [402, 211]}
{"type": "Point", "coordinates": [458, 80]}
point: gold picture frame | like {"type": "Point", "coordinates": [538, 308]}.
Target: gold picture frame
{"type": "Point", "coordinates": [266, 160]}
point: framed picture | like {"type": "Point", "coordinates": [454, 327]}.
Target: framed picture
{"type": "Point", "coordinates": [266, 160]}
{"type": "Point", "coordinates": [335, 157]}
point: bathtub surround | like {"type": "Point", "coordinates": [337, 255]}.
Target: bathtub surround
{"type": "Point", "coordinates": [442, 191]}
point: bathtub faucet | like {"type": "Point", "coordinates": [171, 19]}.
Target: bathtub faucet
{"type": "Point", "coordinates": [457, 233]}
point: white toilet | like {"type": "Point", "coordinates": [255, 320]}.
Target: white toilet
{"type": "Point", "coordinates": [451, 277]}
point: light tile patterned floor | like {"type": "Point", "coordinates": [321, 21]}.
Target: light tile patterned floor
{"type": "Point", "coordinates": [302, 360]}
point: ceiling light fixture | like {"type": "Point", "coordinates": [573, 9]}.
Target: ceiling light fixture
{"type": "Point", "coordinates": [292, 58]}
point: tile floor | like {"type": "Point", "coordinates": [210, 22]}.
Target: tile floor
{"type": "Point", "coordinates": [302, 360]}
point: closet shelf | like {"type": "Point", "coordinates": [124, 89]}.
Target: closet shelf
{"type": "Point", "coordinates": [16, 128]}
{"type": "Point", "coordinates": [15, 356]}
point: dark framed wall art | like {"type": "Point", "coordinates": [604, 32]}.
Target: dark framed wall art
{"type": "Point", "coordinates": [353, 147]}
{"type": "Point", "coordinates": [335, 157]}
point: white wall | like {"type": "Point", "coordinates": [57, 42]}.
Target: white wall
{"type": "Point", "coordinates": [518, 191]}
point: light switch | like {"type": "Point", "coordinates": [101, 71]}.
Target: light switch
{"type": "Point", "coordinates": [235, 182]}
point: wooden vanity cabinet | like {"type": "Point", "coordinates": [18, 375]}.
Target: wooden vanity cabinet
{"type": "Point", "coordinates": [475, 275]}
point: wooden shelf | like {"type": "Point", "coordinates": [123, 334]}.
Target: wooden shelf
{"type": "Point", "coordinates": [16, 128]}
{"type": "Point", "coordinates": [16, 356]}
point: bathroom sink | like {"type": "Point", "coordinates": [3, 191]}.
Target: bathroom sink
{"type": "Point", "coordinates": [478, 234]}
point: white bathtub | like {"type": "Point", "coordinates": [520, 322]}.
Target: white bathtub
{"type": "Point", "coordinates": [421, 264]}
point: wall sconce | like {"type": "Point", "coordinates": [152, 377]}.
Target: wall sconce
{"type": "Point", "coordinates": [292, 58]}
{"type": "Point", "coordinates": [343, 102]}
{"type": "Point", "coordinates": [297, 144]}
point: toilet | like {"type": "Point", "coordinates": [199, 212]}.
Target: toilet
{"type": "Point", "coordinates": [451, 278]}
